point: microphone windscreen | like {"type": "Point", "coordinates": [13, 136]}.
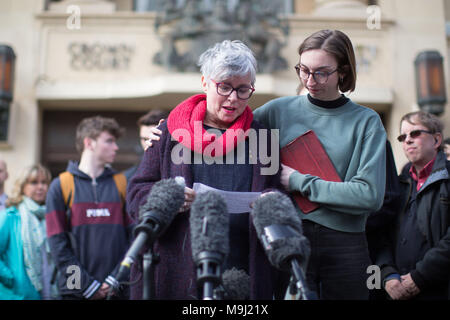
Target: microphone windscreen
{"type": "Point", "coordinates": [209, 223]}
{"type": "Point", "coordinates": [236, 284]}
{"type": "Point", "coordinates": [279, 229]}
{"type": "Point", "coordinates": [163, 202]}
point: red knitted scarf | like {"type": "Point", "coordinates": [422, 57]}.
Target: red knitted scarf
{"type": "Point", "coordinates": [185, 124]}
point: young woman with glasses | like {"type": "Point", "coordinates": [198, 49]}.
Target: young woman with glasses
{"type": "Point", "coordinates": [354, 139]}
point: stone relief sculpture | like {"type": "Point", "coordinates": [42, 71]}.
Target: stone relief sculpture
{"type": "Point", "coordinates": [187, 31]}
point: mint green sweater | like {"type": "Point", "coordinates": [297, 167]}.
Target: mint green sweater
{"type": "Point", "coordinates": [354, 139]}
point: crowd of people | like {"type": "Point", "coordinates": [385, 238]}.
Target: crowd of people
{"type": "Point", "coordinates": [65, 238]}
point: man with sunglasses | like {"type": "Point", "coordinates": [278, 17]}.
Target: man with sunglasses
{"type": "Point", "coordinates": [415, 263]}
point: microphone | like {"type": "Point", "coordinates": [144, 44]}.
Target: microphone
{"type": "Point", "coordinates": [209, 224]}
{"type": "Point", "coordinates": [163, 203]}
{"type": "Point", "coordinates": [279, 229]}
{"type": "Point", "coordinates": [235, 285]}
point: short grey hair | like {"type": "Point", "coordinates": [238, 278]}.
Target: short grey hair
{"type": "Point", "coordinates": [228, 59]}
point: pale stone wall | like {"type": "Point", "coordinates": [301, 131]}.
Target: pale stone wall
{"type": "Point", "coordinates": [20, 30]}
{"type": "Point", "coordinates": [419, 25]}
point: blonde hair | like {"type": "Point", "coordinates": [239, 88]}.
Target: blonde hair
{"type": "Point", "coordinates": [27, 174]}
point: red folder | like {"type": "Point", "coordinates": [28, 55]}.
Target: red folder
{"type": "Point", "coordinates": [306, 155]}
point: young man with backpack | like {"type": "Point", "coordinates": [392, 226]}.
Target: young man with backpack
{"type": "Point", "coordinates": [88, 228]}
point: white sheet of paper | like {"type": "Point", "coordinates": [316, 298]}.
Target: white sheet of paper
{"type": "Point", "coordinates": [237, 202]}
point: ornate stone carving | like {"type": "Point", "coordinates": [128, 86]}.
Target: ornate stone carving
{"type": "Point", "coordinates": [188, 31]}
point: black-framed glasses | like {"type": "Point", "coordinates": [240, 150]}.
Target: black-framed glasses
{"type": "Point", "coordinates": [413, 134]}
{"type": "Point", "coordinates": [224, 89]}
{"type": "Point", "coordinates": [319, 76]}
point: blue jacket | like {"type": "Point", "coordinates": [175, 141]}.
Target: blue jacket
{"type": "Point", "coordinates": [14, 281]}
{"type": "Point", "coordinates": [96, 238]}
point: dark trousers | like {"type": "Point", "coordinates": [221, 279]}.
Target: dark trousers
{"type": "Point", "coordinates": [338, 263]}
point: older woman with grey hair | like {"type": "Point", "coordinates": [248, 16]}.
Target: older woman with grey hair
{"type": "Point", "coordinates": [209, 126]}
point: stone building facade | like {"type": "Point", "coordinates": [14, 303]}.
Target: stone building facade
{"type": "Point", "coordinates": [77, 58]}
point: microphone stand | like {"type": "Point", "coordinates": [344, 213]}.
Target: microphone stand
{"type": "Point", "coordinates": [208, 273]}
{"type": "Point", "coordinates": [150, 258]}
{"type": "Point", "coordinates": [299, 279]}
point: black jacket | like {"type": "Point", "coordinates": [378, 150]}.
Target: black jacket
{"type": "Point", "coordinates": [433, 219]}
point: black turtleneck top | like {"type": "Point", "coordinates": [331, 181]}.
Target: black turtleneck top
{"type": "Point", "coordinates": [329, 104]}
